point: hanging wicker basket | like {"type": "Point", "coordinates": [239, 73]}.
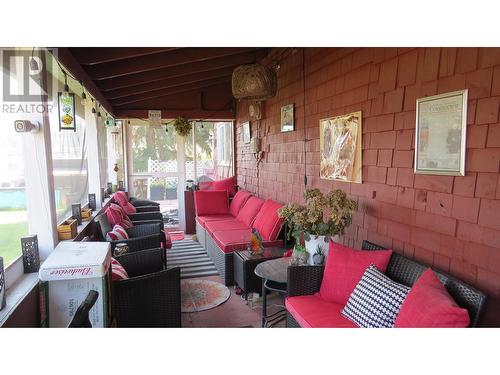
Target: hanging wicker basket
{"type": "Point", "coordinates": [182, 126]}
{"type": "Point", "coordinates": [254, 81]}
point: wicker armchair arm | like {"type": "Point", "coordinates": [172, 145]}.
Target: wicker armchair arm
{"type": "Point", "coordinates": [142, 262]}
{"type": "Point", "coordinates": [142, 202]}
{"type": "Point", "coordinates": [304, 280]}
{"type": "Point", "coordinates": [140, 243]}
{"type": "Point", "coordinates": [152, 300]}
{"type": "Point", "coordinates": [146, 216]}
{"type": "Point", "coordinates": [147, 209]}
{"type": "Point", "coordinates": [144, 229]}
{"type": "Point", "coordinates": [142, 222]}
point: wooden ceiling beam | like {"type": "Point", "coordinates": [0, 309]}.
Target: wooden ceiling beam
{"type": "Point", "coordinates": [198, 114]}
{"type": "Point", "coordinates": [100, 55]}
{"type": "Point", "coordinates": [181, 70]}
{"type": "Point", "coordinates": [162, 60]}
{"type": "Point", "coordinates": [72, 65]}
{"type": "Point", "coordinates": [167, 83]}
{"type": "Point", "coordinates": [167, 92]}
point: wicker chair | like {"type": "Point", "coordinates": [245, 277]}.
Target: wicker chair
{"type": "Point", "coordinates": [151, 297]}
{"type": "Point", "coordinates": [306, 280]}
{"type": "Point", "coordinates": [145, 236]}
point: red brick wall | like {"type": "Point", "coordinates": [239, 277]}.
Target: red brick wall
{"type": "Point", "coordinates": [452, 223]}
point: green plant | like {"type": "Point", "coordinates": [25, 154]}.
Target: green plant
{"type": "Point", "coordinates": [322, 215]}
{"type": "Point", "coordinates": [182, 126]}
{"type": "Point", "coordinates": [319, 250]}
{"type": "Point", "coordinates": [298, 247]}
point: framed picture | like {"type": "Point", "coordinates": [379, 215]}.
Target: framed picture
{"type": "Point", "coordinates": [340, 148]}
{"type": "Point", "coordinates": [287, 121]}
{"type": "Point", "coordinates": [66, 107]}
{"type": "Point", "coordinates": [440, 134]}
{"type": "Point", "coordinates": [246, 132]}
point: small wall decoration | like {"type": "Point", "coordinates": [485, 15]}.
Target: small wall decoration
{"type": "Point", "coordinates": [31, 256]}
{"type": "Point", "coordinates": [66, 107]}
{"type": "Point", "coordinates": [246, 132]}
{"type": "Point", "coordinates": [340, 148]}
{"type": "Point", "coordinates": [154, 117]}
{"type": "Point", "coordinates": [287, 118]}
{"type": "Point", "coordinates": [440, 134]}
{"type": "Point", "coordinates": [76, 211]}
{"type": "Point", "coordinates": [92, 202]}
{"type": "Point", "coordinates": [2, 285]}
{"type": "Point", "coordinates": [110, 188]}
{"type": "Point", "coordinates": [121, 186]}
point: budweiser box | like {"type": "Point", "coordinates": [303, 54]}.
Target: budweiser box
{"type": "Point", "coordinates": [66, 277]}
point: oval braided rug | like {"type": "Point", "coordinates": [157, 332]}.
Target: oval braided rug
{"type": "Point", "coordinates": [199, 295]}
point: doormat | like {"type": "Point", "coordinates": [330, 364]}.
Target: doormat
{"type": "Point", "coordinates": [200, 295]}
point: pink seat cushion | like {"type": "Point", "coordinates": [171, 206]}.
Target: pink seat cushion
{"type": "Point", "coordinates": [213, 226]}
{"type": "Point", "coordinates": [237, 239]}
{"type": "Point", "coordinates": [315, 312]}
{"type": "Point", "coordinates": [429, 305]}
{"type": "Point", "coordinates": [249, 211]}
{"type": "Point", "coordinates": [211, 203]}
{"type": "Point", "coordinates": [345, 267]}
{"type": "Point", "coordinates": [238, 201]}
{"type": "Point", "coordinates": [227, 184]}
{"type": "Point", "coordinates": [267, 221]}
{"type": "Point", "coordinates": [203, 220]}
{"type": "Point", "coordinates": [121, 198]}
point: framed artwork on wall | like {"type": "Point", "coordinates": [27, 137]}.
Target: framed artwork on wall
{"type": "Point", "coordinates": [440, 134]}
{"type": "Point", "coordinates": [246, 132]}
{"type": "Point", "coordinates": [287, 118]}
{"type": "Point", "coordinates": [340, 148]}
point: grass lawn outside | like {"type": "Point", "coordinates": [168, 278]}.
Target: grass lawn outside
{"type": "Point", "coordinates": [10, 242]}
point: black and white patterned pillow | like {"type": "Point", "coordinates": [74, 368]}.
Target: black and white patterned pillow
{"type": "Point", "coordinates": [376, 300]}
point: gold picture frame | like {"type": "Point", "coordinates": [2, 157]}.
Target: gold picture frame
{"type": "Point", "coordinates": [440, 134]}
{"type": "Point", "coordinates": [287, 118]}
{"type": "Point", "coordinates": [341, 148]}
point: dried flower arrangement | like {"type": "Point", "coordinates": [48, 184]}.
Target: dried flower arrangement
{"type": "Point", "coordinates": [321, 215]}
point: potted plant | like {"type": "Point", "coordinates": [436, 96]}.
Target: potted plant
{"type": "Point", "coordinates": [182, 126]}
{"type": "Point", "coordinates": [322, 217]}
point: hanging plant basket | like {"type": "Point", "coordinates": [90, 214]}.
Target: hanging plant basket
{"type": "Point", "coordinates": [182, 126]}
{"type": "Point", "coordinates": [254, 81]}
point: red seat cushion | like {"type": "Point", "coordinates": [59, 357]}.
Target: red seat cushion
{"type": "Point", "coordinates": [213, 226]}
{"type": "Point", "coordinates": [237, 239]}
{"type": "Point", "coordinates": [227, 184]}
{"type": "Point", "coordinates": [344, 268]}
{"type": "Point", "coordinates": [238, 201]}
{"type": "Point", "coordinates": [429, 305]}
{"type": "Point", "coordinates": [203, 220]}
{"type": "Point", "coordinates": [211, 203]}
{"type": "Point", "coordinates": [267, 221]}
{"type": "Point", "coordinates": [249, 211]}
{"type": "Point", "coordinates": [315, 312]}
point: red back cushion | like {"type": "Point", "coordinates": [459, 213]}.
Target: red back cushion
{"type": "Point", "coordinates": [117, 271]}
{"type": "Point", "coordinates": [117, 233]}
{"type": "Point", "coordinates": [238, 201]}
{"type": "Point", "coordinates": [211, 202]}
{"type": "Point", "coordinates": [345, 267]}
{"type": "Point", "coordinates": [249, 210]}
{"type": "Point", "coordinates": [267, 221]}
{"type": "Point", "coordinates": [121, 198]}
{"type": "Point", "coordinates": [429, 305]}
{"type": "Point", "coordinates": [114, 214]}
{"type": "Point", "coordinates": [228, 184]}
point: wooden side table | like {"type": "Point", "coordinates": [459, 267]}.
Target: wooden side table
{"type": "Point", "coordinates": [189, 212]}
{"type": "Point", "coordinates": [244, 265]}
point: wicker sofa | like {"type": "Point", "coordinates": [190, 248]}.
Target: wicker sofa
{"type": "Point", "coordinates": [222, 228]}
{"type": "Point", "coordinates": [306, 280]}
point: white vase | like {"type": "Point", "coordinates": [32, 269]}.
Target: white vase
{"type": "Point", "coordinates": [312, 246]}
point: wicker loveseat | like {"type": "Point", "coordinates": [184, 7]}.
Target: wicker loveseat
{"type": "Point", "coordinates": [223, 229]}
{"type": "Point", "coordinates": [306, 280]}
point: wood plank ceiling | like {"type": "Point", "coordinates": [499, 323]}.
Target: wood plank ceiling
{"type": "Point", "coordinates": [194, 81]}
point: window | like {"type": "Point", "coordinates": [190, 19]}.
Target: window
{"type": "Point", "coordinates": [13, 214]}
{"type": "Point", "coordinates": [69, 150]}
{"type": "Point", "coordinates": [224, 144]}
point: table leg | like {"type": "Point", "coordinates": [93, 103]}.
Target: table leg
{"type": "Point", "coordinates": [264, 303]}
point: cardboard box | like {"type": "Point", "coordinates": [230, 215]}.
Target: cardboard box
{"type": "Point", "coordinates": [66, 277]}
